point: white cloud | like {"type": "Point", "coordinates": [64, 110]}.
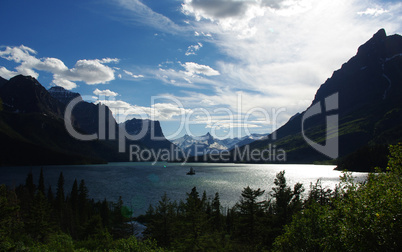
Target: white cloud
{"type": "Point", "coordinates": [372, 12]}
{"type": "Point", "coordinates": [193, 76]}
{"type": "Point", "coordinates": [192, 49]}
{"type": "Point", "coordinates": [7, 74]}
{"type": "Point", "coordinates": [133, 75]}
{"type": "Point", "coordinates": [106, 92]}
{"type": "Point", "coordinates": [109, 60]}
{"type": "Point", "coordinates": [193, 68]}
{"type": "Point", "coordinates": [61, 82]}
{"type": "Point", "coordinates": [89, 71]}
{"type": "Point", "coordinates": [140, 13]}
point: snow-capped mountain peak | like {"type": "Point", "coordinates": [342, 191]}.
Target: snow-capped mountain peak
{"type": "Point", "coordinates": [198, 145]}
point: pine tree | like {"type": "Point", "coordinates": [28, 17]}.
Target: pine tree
{"type": "Point", "coordinates": [50, 195]}
{"type": "Point", "coordinates": [83, 202]}
{"type": "Point", "coordinates": [60, 196]}
{"type": "Point", "coordinates": [73, 210]}
{"type": "Point", "coordinates": [41, 184]}
{"type": "Point", "coordinates": [250, 211]}
{"type": "Point", "coordinates": [59, 203]}
{"type": "Point", "coordinates": [30, 186]}
{"type": "Point", "coordinates": [38, 223]}
{"type": "Point", "coordinates": [286, 201]}
{"type": "Point", "coordinates": [216, 216]}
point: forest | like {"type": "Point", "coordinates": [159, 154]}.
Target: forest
{"type": "Point", "coordinates": [350, 217]}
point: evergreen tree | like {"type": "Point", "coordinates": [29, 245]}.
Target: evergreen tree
{"type": "Point", "coordinates": [73, 210]}
{"type": "Point", "coordinates": [83, 202]}
{"type": "Point", "coordinates": [250, 211]}
{"type": "Point", "coordinates": [162, 223]}
{"type": "Point", "coordinates": [286, 201]}
{"type": "Point", "coordinates": [50, 195]}
{"type": "Point", "coordinates": [120, 218]}
{"type": "Point", "coordinates": [60, 196]}
{"type": "Point", "coordinates": [30, 186]}
{"type": "Point", "coordinates": [216, 215]}
{"type": "Point", "coordinates": [38, 223]}
{"type": "Point", "coordinates": [41, 184]}
{"type": "Point", "coordinates": [60, 208]}
{"type": "Point", "coordinates": [105, 213]}
{"type": "Point", "coordinates": [11, 225]}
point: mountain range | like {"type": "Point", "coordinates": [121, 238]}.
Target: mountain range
{"type": "Point", "coordinates": [357, 111]}
{"type": "Point", "coordinates": [196, 145]}
{"type": "Point", "coordinates": [33, 132]}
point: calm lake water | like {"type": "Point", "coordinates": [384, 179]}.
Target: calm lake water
{"type": "Point", "coordinates": [141, 184]}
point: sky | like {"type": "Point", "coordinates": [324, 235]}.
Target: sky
{"type": "Point", "coordinates": [228, 67]}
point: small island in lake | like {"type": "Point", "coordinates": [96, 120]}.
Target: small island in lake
{"type": "Point", "coordinates": [191, 172]}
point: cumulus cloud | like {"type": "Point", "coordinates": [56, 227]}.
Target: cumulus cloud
{"type": "Point", "coordinates": [187, 75]}
{"type": "Point", "coordinates": [89, 71]}
{"type": "Point", "coordinates": [7, 74]}
{"type": "Point", "coordinates": [106, 92]}
{"type": "Point", "coordinates": [62, 82]}
{"type": "Point", "coordinates": [191, 50]}
{"type": "Point", "coordinates": [193, 68]}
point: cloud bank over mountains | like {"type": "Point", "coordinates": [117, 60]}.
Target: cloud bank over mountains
{"type": "Point", "coordinates": [90, 72]}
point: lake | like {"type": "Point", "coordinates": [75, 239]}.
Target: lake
{"type": "Point", "coordinates": [141, 184]}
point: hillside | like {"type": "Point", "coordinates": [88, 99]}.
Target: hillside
{"type": "Point", "coordinates": [33, 131]}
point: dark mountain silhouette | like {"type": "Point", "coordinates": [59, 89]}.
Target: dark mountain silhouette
{"type": "Point", "coordinates": [33, 131]}
{"type": "Point", "coordinates": [87, 118]}
{"type": "Point", "coordinates": [63, 95]}
{"type": "Point", "coordinates": [150, 133]}
{"type": "Point", "coordinates": [24, 94]}
{"type": "Point", "coordinates": [2, 81]}
{"type": "Point", "coordinates": [369, 108]}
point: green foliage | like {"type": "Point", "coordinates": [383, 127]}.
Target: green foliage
{"type": "Point", "coordinates": [356, 217]}
{"type": "Point", "coordinates": [250, 212]}
{"type": "Point", "coordinates": [31, 221]}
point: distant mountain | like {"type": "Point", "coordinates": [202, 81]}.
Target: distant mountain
{"type": "Point", "coordinates": [196, 145]}
{"type": "Point", "coordinates": [33, 131]}
{"type": "Point", "coordinates": [86, 117]}
{"type": "Point", "coordinates": [150, 133]}
{"type": "Point", "coordinates": [369, 108]}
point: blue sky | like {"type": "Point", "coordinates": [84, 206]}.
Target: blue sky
{"type": "Point", "coordinates": [228, 67]}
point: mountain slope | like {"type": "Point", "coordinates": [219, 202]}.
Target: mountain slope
{"type": "Point", "coordinates": [369, 91]}
{"type": "Point", "coordinates": [24, 94]}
